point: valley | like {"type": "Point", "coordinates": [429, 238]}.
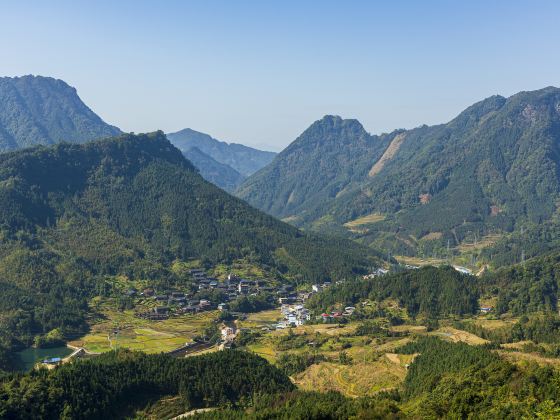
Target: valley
{"type": "Point", "coordinates": [408, 274]}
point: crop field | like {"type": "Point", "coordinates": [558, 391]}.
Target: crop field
{"type": "Point", "coordinates": [521, 358]}
{"type": "Point", "coordinates": [241, 269]}
{"type": "Point", "coordinates": [354, 380]}
{"type": "Point", "coordinates": [141, 334]}
{"type": "Point", "coordinates": [365, 220]}
{"type": "Point", "coordinates": [261, 319]}
{"type": "Point", "coordinates": [455, 335]}
{"type": "Point", "coordinates": [419, 261]}
{"type": "Point", "coordinates": [481, 243]}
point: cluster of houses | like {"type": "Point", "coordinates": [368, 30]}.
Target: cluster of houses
{"type": "Point", "coordinates": [335, 315]}
{"type": "Point", "coordinates": [232, 288]}
{"type": "Point", "coordinates": [294, 316]}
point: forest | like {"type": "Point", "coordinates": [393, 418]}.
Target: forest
{"type": "Point", "coordinates": [429, 292]}
{"type": "Point", "coordinates": [74, 216]}
{"type": "Point", "coordinates": [120, 382]}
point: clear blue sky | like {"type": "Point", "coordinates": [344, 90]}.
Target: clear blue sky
{"type": "Point", "coordinates": [260, 72]}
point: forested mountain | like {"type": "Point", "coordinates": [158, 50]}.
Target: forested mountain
{"type": "Point", "coordinates": [224, 176]}
{"type": "Point", "coordinates": [131, 205]}
{"type": "Point", "coordinates": [494, 168]}
{"type": "Point", "coordinates": [42, 110]}
{"type": "Point", "coordinates": [306, 177]}
{"type": "Point", "coordinates": [243, 159]}
{"type": "Point", "coordinates": [115, 385]}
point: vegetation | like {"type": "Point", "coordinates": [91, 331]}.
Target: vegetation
{"type": "Point", "coordinates": [124, 381]}
{"type": "Point", "coordinates": [492, 169]}
{"type": "Point", "coordinates": [222, 175]}
{"type": "Point", "coordinates": [242, 159]}
{"type": "Point", "coordinates": [75, 217]}
{"type": "Point", "coordinates": [458, 381]}
{"type": "Point", "coordinates": [429, 291]}
{"type": "Point", "coordinates": [27, 118]}
{"type": "Point", "coordinates": [525, 288]}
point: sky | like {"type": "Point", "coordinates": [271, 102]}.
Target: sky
{"type": "Point", "coordinates": [260, 72]}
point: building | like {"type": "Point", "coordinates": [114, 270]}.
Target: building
{"type": "Point", "coordinates": [161, 310]}
{"type": "Point", "coordinates": [226, 332]}
{"type": "Point", "coordinates": [243, 287]}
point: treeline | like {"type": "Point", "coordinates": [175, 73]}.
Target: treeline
{"type": "Point", "coordinates": [534, 240]}
{"type": "Point", "coordinates": [525, 288]}
{"type": "Point", "coordinates": [430, 292]}
{"type": "Point", "coordinates": [455, 380]}
{"type": "Point", "coordinates": [74, 216]}
{"type": "Point", "coordinates": [300, 405]}
{"type": "Point", "coordinates": [433, 292]}
{"type": "Point", "coordinates": [539, 328]}
{"type": "Point", "coordinates": [115, 384]}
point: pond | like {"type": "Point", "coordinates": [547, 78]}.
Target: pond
{"type": "Point", "coordinates": [32, 355]}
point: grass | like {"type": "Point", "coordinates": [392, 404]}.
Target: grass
{"type": "Point", "coordinates": [482, 243]}
{"type": "Point", "coordinates": [240, 268]}
{"type": "Point", "coordinates": [455, 335]}
{"type": "Point", "coordinates": [261, 319]}
{"type": "Point", "coordinates": [141, 334]}
{"type": "Point", "coordinates": [354, 380]}
{"type": "Point", "coordinates": [521, 359]}
{"type": "Point", "coordinates": [419, 261]}
{"type": "Point", "coordinates": [365, 220]}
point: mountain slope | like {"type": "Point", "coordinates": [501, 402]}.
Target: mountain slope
{"type": "Point", "coordinates": [142, 189]}
{"type": "Point", "coordinates": [41, 110]}
{"type": "Point", "coordinates": [75, 217]}
{"type": "Point", "coordinates": [494, 168]}
{"type": "Point", "coordinates": [224, 176]}
{"type": "Point", "coordinates": [314, 170]}
{"type": "Point", "coordinates": [243, 159]}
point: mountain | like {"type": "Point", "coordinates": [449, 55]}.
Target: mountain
{"type": "Point", "coordinates": [243, 159]}
{"type": "Point", "coordinates": [42, 110]}
{"type": "Point", "coordinates": [493, 169]}
{"type": "Point", "coordinates": [224, 176]}
{"type": "Point", "coordinates": [75, 217]}
{"type": "Point", "coordinates": [311, 172]}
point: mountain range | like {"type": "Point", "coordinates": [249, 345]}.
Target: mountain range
{"type": "Point", "coordinates": [72, 216]}
{"type": "Point", "coordinates": [493, 169]}
{"type": "Point", "coordinates": [220, 174]}
{"type": "Point", "coordinates": [42, 110]}
{"type": "Point", "coordinates": [225, 164]}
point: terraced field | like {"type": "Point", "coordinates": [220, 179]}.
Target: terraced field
{"type": "Point", "coordinates": [355, 380]}
{"type": "Point", "coordinates": [140, 334]}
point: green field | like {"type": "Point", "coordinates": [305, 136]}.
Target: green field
{"type": "Point", "coordinates": [141, 334]}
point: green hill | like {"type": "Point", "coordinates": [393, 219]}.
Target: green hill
{"type": "Point", "coordinates": [42, 110]}
{"type": "Point", "coordinates": [71, 215]}
{"type": "Point", "coordinates": [492, 169]}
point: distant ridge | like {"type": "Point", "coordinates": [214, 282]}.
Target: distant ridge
{"type": "Point", "coordinates": [42, 110]}
{"type": "Point", "coordinates": [219, 174]}
{"type": "Point", "coordinates": [492, 170]}
{"type": "Point", "coordinates": [243, 159]}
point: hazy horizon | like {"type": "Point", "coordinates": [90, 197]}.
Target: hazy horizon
{"type": "Point", "coordinates": [259, 74]}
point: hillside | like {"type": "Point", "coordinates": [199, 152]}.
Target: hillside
{"type": "Point", "coordinates": [224, 176]}
{"type": "Point", "coordinates": [492, 169]}
{"type": "Point", "coordinates": [74, 216]}
{"type": "Point", "coordinates": [305, 178]}
{"type": "Point", "coordinates": [243, 159]}
{"type": "Point", "coordinates": [42, 110]}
